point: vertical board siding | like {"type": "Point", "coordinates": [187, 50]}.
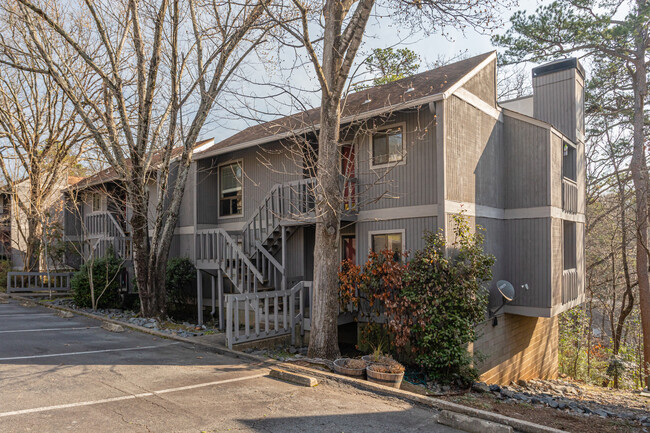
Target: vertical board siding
{"type": "Point", "coordinates": [555, 101]}
{"type": "Point", "coordinates": [474, 155]}
{"type": "Point", "coordinates": [263, 167]}
{"type": "Point", "coordinates": [528, 260]}
{"type": "Point", "coordinates": [414, 229]}
{"type": "Point", "coordinates": [557, 160]}
{"type": "Point", "coordinates": [526, 164]}
{"type": "Point", "coordinates": [483, 84]}
{"type": "Point", "coordinates": [410, 184]}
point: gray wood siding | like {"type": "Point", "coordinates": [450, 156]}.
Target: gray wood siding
{"type": "Point", "coordinates": [527, 162]}
{"type": "Point", "coordinates": [413, 232]}
{"type": "Point", "coordinates": [410, 184]}
{"type": "Point", "coordinates": [474, 155]}
{"type": "Point", "coordinates": [483, 84]}
{"type": "Point", "coordinates": [557, 146]}
{"type": "Point", "coordinates": [182, 246]}
{"type": "Point", "coordinates": [263, 168]}
{"type": "Point", "coordinates": [557, 99]}
{"type": "Point", "coordinates": [528, 260]}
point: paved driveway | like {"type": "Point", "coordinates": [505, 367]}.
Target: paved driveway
{"type": "Point", "coordinates": [59, 375]}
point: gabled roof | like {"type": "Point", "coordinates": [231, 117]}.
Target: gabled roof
{"type": "Point", "coordinates": [426, 87]}
{"type": "Point", "coordinates": [109, 174]}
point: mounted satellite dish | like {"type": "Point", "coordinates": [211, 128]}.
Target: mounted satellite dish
{"type": "Point", "coordinates": [506, 290]}
{"type": "Point", "coordinates": [508, 293]}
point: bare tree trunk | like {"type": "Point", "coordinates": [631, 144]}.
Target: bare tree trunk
{"type": "Point", "coordinates": [323, 341]}
{"type": "Point", "coordinates": [639, 169]}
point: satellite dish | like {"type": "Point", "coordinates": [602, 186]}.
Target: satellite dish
{"type": "Point", "coordinates": [506, 290]}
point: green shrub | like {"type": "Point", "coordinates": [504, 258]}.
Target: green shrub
{"type": "Point", "coordinates": [441, 302]}
{"type": "Point", "coordinates": [5, 268]}
{"type": "Point", "coordinates": [106, 274]}
{"type": "Point", "coordinates": [180, 284]}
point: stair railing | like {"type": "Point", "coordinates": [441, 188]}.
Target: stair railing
{"type": "Point", "coordinates": [217, 246]}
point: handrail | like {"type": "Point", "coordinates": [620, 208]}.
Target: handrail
{"type": "Point", "coordinates": [270, 267]}
{"type": "Point", "coordinates": [51, 281]}
{"type": "Point", "coordinates": [274, 313]}
{"type": "Point", "coordinates": [269, 257]}
{"type": "Point", "coordinates": [97, 223]}
{"type": "Point", "coordinates": [216, 245]}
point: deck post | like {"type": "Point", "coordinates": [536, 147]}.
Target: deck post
{"type": "Point", "coordinates": [199, 297]}
{"type": "Point", "coordinates": [213, 293]}
{"type": "Point", "coordinates": [220, 289]}
{"type": "Point", "coordinates": [284, 258]}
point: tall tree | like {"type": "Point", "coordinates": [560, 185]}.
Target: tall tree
{"type": "Point", "coordinates": [593, 29]}
{"type": "Point", "coordinates": [340, 26]}
{"type": "Point", "coordinates": [157, 69]}
{"type": "Point", "coordinates": [41, 137]}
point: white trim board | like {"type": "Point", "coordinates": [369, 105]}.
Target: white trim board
{"type": "Point", "coordinates": [479, 104]}
{"type": "Point", "coordinates": [392, 213]}
{"type": "Point", "coordinates": [472, 209]}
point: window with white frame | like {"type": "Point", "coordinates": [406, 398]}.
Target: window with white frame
{"type": "Point", "coordinates": [97, 202]}
{"type": "Point", "coordinates": [388, 241]}
{"type": "Point", "coordinates": [230, 189]}
{"type": "Point", "coordinates": [388, 146]}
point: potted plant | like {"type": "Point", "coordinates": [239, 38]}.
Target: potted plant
{"type": "Point", "coordinates": [351, 367]}
{"type": "Point", "coordinates": [389, 374]}
{"type": "Point", "coordinates": [377, 356]}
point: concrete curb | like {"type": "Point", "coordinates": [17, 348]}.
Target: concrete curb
{"type": "Point", "coordinates": [288, 376]}
{"type": "Point", "coordinates": [519, 425]}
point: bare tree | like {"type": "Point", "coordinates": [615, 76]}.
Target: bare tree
{"type": "Point", "coordinates": [331, 34]}
{"type": "Point", "coordinates": [41, 137]}
{"type": "Point", "coordinates": [158, 68]}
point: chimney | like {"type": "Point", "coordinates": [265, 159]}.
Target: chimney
{"type": "Point", "coordinates": [559, 96]}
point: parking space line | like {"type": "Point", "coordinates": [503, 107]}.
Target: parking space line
{"type": "Point", "coordinates": [26, 314]}
{"type": "Point", "coordinates": [49, 329]}
{"type": "Point", "coordinates": [127, 397]}
{"type": "Point", "coordinates": [51, 355]}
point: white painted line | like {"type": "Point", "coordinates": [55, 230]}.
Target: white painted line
{"type": "Point", "coordinates": [51, 355]}
{"type": "Point", "coordinates": [127, 397]}
{"type": "Point", "coordinates": [49, 329]}
{"type": "Point", "coordinates": [26, 314]}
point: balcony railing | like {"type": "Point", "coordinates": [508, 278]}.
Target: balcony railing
{"type": "Point", "coordinates": [569, 195]}
{"type": "Point", "coordinates": [569, 285]}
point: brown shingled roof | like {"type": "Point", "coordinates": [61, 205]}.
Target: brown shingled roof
{"type": "Point", "coordinates": [109, 174]}
{"type": "Point", "coordinates": [385, 97]}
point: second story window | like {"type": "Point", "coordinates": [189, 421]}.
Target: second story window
{"type": "Point", "coordinates": [388, 146]}
{"type": "Point", "coordinates": [230, 189]}
{"type": "Point", "coordinates": [97, 202]}
{"type": "Point", "coordinates": [569, 160]}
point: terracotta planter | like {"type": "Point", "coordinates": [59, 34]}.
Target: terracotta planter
{"type": "Point", "coordinates": [394, 380]}
{"type": "Point", "coordinates": [357, 373]}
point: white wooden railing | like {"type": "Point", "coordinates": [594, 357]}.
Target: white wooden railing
{"type": "Point", "coordinates": [286, 201]}
{"type": "Point", "coordinates": [267, 314]}
{"type": "Point", "coordinates": [102, 224]}
{"type": "Point", "coordinates": [569, 195]}
{"type": "Point", "coordinates": [38, 281]}
{"type": "Point", "coordinates": [216, 246]}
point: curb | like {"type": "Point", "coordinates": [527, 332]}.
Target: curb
{"type": "Point", "coordinates": [519, 425]}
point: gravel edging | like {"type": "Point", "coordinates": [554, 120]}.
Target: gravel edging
{"type": "Point", "coordinates": [520, 425]}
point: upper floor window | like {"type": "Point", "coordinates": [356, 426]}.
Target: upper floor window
{"type": "Point", "coordinates": [388, 241]}
{"type": "Point", "coordinates": [230, 189]}
{"type": "Point", "coordinates": [97, 202]}
{"type": "Point", "coordinates": [570, 246]}
{"type": "Point", "coordinates": [569, 161]}
{"type": "Point", "coordinates": [388, 146]}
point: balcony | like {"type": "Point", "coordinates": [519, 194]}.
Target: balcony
{"type": "Point", "coordinates": [569, 195]}
{"type": "Point", "coordinates": [570, 285]}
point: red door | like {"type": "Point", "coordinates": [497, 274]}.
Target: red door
{"type": "Point", "coordinates": [347, 169]}
{"type": "Point", "coordinates": [349, 248]}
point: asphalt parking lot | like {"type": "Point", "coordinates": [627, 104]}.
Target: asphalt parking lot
{"type": "Point", "coordinates": [70, 375]}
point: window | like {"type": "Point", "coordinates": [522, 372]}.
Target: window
{"type": "Point", "coordinates": [569, 162]}
{"type": "Point", "coordinates": [230, 189]}
{"type": "Point", "coordinates": [388, 146]}
{"type": "Point", "coordinates": [570, 247]}
{"type": "Point", "coordinates": [388, 241]}
{"type": "Point", "coordinates": [97, 202]}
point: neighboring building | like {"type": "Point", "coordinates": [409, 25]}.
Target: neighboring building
{"type": "Point", "coordinates": [415, 152]}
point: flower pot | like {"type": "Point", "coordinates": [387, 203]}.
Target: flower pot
{"type": "Point", "coordinates": [382, 359]}
{"type": "Point", "coordinates": [394, 380]}
{"type": "Point", "coordinates": [341, 368]}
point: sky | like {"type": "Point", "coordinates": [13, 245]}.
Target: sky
{"type": "Point", "coordinates": [236, 113]}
